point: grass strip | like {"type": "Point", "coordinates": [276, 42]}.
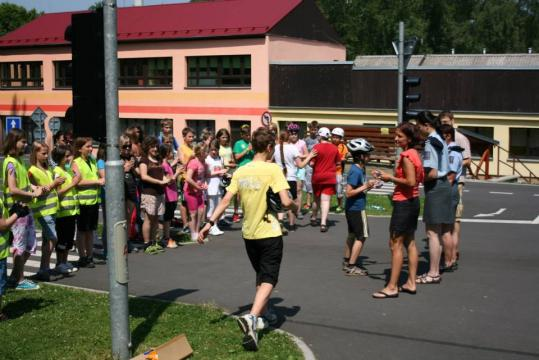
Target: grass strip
{"type": "Point", "coordinates": [62, 323]}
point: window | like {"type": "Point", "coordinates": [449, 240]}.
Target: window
{"type": "Point", "coordinates": [21, 75]}
{"type": "Point", "coordinates": [151, 72]}
{"type": "Point", "coordinates": [151, 127]}
{"type": "Point", "coordinates": [199, 125]}
{"type": "Point", "coordinates": [478, 146]}
{"type": "Point", "coordinates": [524, 143]}
{"type": "Point", "coordinates": [219, 71]}
{"type": "Point", "coordinates": [63, 74]}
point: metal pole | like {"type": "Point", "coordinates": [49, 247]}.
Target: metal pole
{"type": "Point", "coordinates": [400, 94]}
{"type": "Point", "coordinates": [115, 209]}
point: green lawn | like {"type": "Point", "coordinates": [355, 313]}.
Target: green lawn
{"type": "Point", "coordinates": [62, 323]}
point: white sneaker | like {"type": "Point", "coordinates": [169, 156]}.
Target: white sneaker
{"type": "Point", "coordinates": [215, 231]}
{"type": "Point", "coordinates": [72, 267]}
{"type": "Point", "coordinates": [63, 269]}
{"type": "Point", "coordinates": [248, 325]}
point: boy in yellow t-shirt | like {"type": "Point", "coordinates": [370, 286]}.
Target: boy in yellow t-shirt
{"type": "Point", "coordinates": [261, 230]}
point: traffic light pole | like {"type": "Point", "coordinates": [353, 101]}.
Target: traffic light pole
{"type": "Point", "coordinates": [400, 95]}
{"type": "Point", "coordinates": [114, 187]}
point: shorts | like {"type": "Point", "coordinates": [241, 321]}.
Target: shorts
{"type": "Point", "coordinates": [48, 227]}
{"type": "Point", "coordinates": [265, 256]}
{"type": "Point", "coordinates": [307, 184]}
{"type": "Point", "coordinates": [153, 205]}
{"type": "Point", "coordinates": [3, 276]}
{"type": "Point", "coordinates": [460, 204]}
{"type": "Point", "coordinates": [65, 229]}
{"type": "Point", "coordinates": [87, 219]}
{"type": "Point", "coordinates": [357, 224]}
{"type": "Point", "coordinates": [404, 217]}
{"type": "Point", "coordinates": [326, 189]}
{"type": "Point", "coordinates": [339, 186]}
{"type": "Point", "coordinates": [300, 174]}
{"type": "Point", "coordinates": [170, 207]}
{"type": "Point", "coordinates": [293, 189]}
{"type": "Point", "coordinates": [24, 236]}
{"type": "Point", "coordinates": [194, 201]}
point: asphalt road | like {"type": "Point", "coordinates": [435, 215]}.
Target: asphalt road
{"type": "Point", "coordinates": [485, 310]}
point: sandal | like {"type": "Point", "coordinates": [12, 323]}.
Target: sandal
{"type": "Point", "coordinates": [314, 222]}
{"type": "Point", "coordinates": [427, 279]}
{"type": "Point", "coordinates": [383, 295]}
{"type": "Point", "coordinates": [323, 228]}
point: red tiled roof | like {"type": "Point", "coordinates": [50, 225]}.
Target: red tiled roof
{"type": "Point", "coordinates": [218, 18]}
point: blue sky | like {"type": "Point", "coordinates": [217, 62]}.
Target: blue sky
{"type": "Point", "coordinates": [51, 6]}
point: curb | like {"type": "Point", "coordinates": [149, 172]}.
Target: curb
{"type": "Point", "coordinates": [303, 347]}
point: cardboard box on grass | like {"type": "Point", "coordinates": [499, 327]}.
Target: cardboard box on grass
{"type": "Point", "coordinates": [177, 348]}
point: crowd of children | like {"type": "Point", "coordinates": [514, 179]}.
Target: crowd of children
{"type": "Point", "coordinates": [62, 187]}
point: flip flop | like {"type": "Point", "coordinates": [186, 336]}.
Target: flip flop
{"type": "Point", "coordinates": [406, 290]}
{"type": "Point", "coordinates": [314, 222]}
{"type": "Point", "coordinates": [383, 295]}
{"type": "Point", "coordinates": [427, 279]}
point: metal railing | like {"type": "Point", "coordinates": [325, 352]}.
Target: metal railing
{"type": "Point", "coordinates": [513, 163]}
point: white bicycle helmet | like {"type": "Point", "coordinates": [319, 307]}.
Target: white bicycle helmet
{"type": "Point", "coordinates": [359, 146]}
{"type": "Point", "coordinates": [324, 132]}
{"type": "Point", "coordinates": [338, 131]}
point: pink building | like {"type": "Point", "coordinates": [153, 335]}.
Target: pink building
{"type": "Point", "coordinates": [202, 64]}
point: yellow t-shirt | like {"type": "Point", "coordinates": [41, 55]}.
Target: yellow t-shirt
{"type": "Point", "coordinates": [186, 152]}
{"type": "Point", "coordinates": [252, 182]}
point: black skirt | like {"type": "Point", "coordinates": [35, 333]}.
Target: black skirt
{"type": "Point", "coordinates": [404, 216]}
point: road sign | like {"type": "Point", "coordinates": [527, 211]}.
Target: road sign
{"type": "Point", "coordinates": [54, 125]}
{"type": "Point", "coordinates": [38, 116]}
{"type": "Point", "coordinates": [266, 118]}
{"type": "Point", "coordinates": [39, 134]}
{"type": "Point", "coordinates": [13, 122]}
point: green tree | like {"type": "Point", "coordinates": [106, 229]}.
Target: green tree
{"type": "Point", "coordinates": [14, 16]}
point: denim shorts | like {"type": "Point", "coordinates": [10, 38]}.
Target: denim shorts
{"type": "Point", "coordinates": [48, 227]}
{"type": "Point", "coordinates": [3, 276]}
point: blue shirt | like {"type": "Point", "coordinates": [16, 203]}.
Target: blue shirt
{"type": "Point", "coordinates": [356, 178]}
{"type": "Point", "coordinates": [455, 160]}
{"type": "Point", "coordinates": [436, 157]}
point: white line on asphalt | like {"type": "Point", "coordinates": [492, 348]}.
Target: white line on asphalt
{"type": "Point", "coordinates": [493, 221]}
{"type": "Point", "coordinates": [501, 192]}
{"type": "Point", "coordinates": [535, 194]}
{"type": "Point", "coordinates": [491, 214]}
{"type": "Point", "coordinates": [466, 190]}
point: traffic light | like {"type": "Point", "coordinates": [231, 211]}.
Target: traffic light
{"type": "Point", "coordinates": [409, 83]}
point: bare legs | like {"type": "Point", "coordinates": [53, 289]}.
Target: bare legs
{"type": "Point", "coordinates": [437, 233]}
{"type": "Point", "coordinates": [149, 227]}
{"type": "Point", "coordinates": [17, 273]}
{"type": "Point", "coordinates": [353, 248]}
{"type": "Point", "coordinates": [396, 244]}
{"type": "Point", "coordinates": [321, 202]}
{"type": "Point", "coordinates": [263, 292]}
{"type": "Point", "coordinates": [85, 243]}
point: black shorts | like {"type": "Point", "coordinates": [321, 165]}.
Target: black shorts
{"type": "Point", "coordinates": [293, 189]}
{"type": "Point", "coordinates": [87, 219]}
{"type": "Point", "coordinates": [170, 207]}
{"type": "Point", "coordinates": [65, 231]}
{"type": "Point", "coordinates": [265, 256]}
{"type": "Point", "coordinates": [357, 224]}
{"type": "Point", "coordinates": [404, 216]}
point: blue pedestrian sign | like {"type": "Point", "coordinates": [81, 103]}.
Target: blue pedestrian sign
{"type": "Point", "coordinates": [13, 122]}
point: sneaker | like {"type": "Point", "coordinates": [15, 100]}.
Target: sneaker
{"type": "Point", "coordinates": [339, 209]}
{"type": "Point", "coordinates": [90, 263]}
{"type": "Point", "coordinates": [63, 269]}
{"type": "Point", "coordinates": [215, 231]}
{"type": "Point", "coordinates": [186, 230]}
{"type": "Point", "coordinates": [356, 271]}
{"type": "Point", "coordinates": [27, 285]}
{"type": "Point", "coordinates": [83, 262]}
{"type": "Point", "coordinates": [72, 267]}
{"type": "Point", "coordinates": [236, 218]}
{"type": "Point", "coordinates": [262, 323]}
{"type": "Point", "coordinates": [171, 244]}
{"type": "Point", "coordinates": [346, 266]}
{"type": "Point", "coordinates": [43, 275]}
{"type": "Point", "coordinates": [284, 230]}
{"type": "Point", "coordinates": [248, 324]}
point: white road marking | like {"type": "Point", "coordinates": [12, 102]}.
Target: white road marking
{"type": "Point", "coordinates": [535, 194]}
{"type": "Point", "coordinates": [466, 190]}
{"type": "Point", "coordinates": [501, 193]}
{"type": "Point", "coordinates": [494, 221]}
{"type": "Point", "coordinates": [491, 214]}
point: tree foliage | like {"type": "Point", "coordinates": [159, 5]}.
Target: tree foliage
{"type": "Point", "coordinates": [368, 27]}
{"type": "Point", "coordinates": [13, 16]}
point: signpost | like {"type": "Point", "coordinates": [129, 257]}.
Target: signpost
{"type": "Point", "coordinates": [266, 118]}
{"type": "Point", "coordinates": [38, 117]}
{"type": "Point", "coordinates": [54, 125]}
{"type": "Point", "coordinates": [13, 122]}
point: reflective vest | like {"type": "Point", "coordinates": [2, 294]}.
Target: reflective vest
{"type": "Point", "coordinates": [21, 176]}
{"type": "Point", "coordinates": [69, 202]}
{"type": "Point", "coordinates": [46, 204]}
{"type": "Point", "coordinates": [88, 195]}
{"type": "Point", "coordinates": [4, 236]}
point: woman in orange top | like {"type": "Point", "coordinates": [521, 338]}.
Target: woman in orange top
{"type": "Point", "coordinates": [408, 176]}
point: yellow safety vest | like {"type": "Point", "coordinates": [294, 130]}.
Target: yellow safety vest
{"type": "Point", "coordinates": [88, 195]}
{"type": "Point", "coordinates": [69, 201]}
{"type": "Point", "coordinates": [4, 236]}
{"type": "Point", "coordinates": [21, 175]}
{"type": "Point", "coordinates": [46, 204]}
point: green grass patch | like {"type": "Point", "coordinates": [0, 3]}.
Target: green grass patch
{"type": "Point", "coordinates": [62, 323]}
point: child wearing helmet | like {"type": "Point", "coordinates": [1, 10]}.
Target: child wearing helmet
{"type": "Point", "coordinates": [294, 139]}
{"type": "Point", "coordinates": [356, 202]}
{"type": "Point", "coordinates": [337, 138]}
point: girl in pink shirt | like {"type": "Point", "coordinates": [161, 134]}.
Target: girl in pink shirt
{"type": "Point", "coordinates": [171, 191]}
{"type": "Point", "coordinates": [194, 187]}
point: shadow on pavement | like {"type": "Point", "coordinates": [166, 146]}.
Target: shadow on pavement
{"type": "Point", "coordinates": [283, 312]}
